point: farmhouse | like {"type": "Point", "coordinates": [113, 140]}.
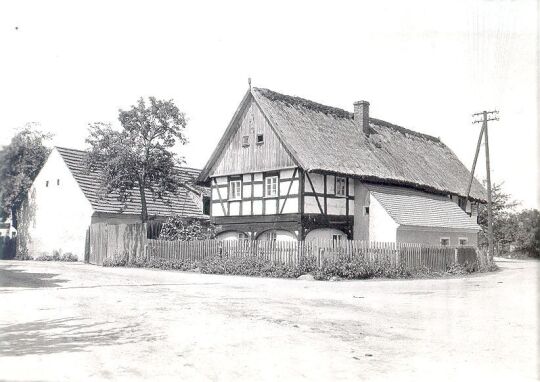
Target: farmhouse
{"type": "Point", "coordinates": [288, 168]}
{"type": "Point", "coordinates": [65, 199]}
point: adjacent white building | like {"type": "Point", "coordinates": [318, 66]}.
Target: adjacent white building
{"type": "Point", "coordinates": [65, 199]}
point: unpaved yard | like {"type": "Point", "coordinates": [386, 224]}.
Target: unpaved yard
{"type": "Point", "coordinates": [61, 322]}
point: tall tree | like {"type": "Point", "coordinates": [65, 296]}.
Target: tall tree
{"type": "Point", "coordinates": [20, 162]}
{"type": "Point", "coordinates": [139, 157]}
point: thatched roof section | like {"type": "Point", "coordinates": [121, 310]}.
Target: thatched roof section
{"type": "Point", "coordinates": [326, 139]}
{"type": "Point", "coordinates": [184, 203]}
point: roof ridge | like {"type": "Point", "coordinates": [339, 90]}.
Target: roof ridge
{"type": "Point", "coordinates": [338, 112]}
{"type": "Point", "coordinates": [294, 100]}
{"type": "Point", "coordinates": [401, 129]}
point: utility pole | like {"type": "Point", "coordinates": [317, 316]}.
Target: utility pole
{"type": "Point", "coordinates": [485, 117]}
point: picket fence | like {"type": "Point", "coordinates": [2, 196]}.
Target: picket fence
{"type": "Point", "coordinates": [130, 242]}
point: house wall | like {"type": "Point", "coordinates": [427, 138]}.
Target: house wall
{"type": "Point", "coordinates": [320, 195]}
{"type": "Point", "coordinates": [253, 200]}
{"type": "Point", "coordinates": [381, 225]}
{"type": "Point", "coordinates": [237, 158]}
{"type": "Point", "coordinates": [57, 215]}
{"type": "Point", "coordinates": [361, 221]}
{"type": "Point", "coordinates": [432, 236]}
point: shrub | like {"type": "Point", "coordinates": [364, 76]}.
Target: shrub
{"type": "Point", "coordinates": [184, 229]}
{"type": "Point", "coordinates": [55, 256]}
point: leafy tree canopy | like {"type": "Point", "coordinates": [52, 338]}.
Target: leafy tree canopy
{"type": "Point", "coordinates": [138, 158]}
{"type": "Point", "coordinates": [519, 230]}
{"type": "Point", "coordinates": [20, 162]}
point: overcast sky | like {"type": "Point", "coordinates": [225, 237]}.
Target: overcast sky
{"type": "Point", "coordinates": [424, 65]}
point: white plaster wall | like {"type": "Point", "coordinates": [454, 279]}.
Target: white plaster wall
{"type": "Point", "coordinates": [62, 212]}
{"type": "Point", "coordinates": [310, 205]}
{"type": "Point", "coordinates": [246, 208]}
{"type": "Point", "coordinates": [336, 206]}
{"type": "Point", "coordinates": [291, 205]}
{"type": "Point", "coordinates": [234, 208]}
{"type": "Point", "coordinates": [381, 226]}
{"type": "Point", "coordinates": [318, 183]}
{"type": "Point", "coordinates": [270, 207]}
{"type": "Point", "coordinates": [324, 234]}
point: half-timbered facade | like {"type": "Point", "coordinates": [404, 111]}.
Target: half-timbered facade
{"type": "Point", "coordinates": [289, 168]}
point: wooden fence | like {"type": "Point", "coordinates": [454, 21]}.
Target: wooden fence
{"type": "Point", "coordinates": [130, 243]}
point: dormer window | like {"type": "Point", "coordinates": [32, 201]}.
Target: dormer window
{"type": "Point", "coordinates": [245, 141]}
{"type": "Point", "coordinates": [260, 139]}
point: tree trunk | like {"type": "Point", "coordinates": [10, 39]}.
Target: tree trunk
{"type": "Point", "coordinates": [144, 212]}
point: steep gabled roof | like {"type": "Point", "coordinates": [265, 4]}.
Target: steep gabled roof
{"type": "Point", "coordinates": [324, 138]}
{"type": "Point", "coordinates": [409, 207]}
{"type": "Point", "coordinates": [184, 203]}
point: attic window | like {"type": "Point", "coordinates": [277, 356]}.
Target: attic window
{"type": "Point", "coordinates": [260, 139]}
{"type": "Point", "coordinates": [245, 141]}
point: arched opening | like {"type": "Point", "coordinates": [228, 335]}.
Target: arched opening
{"type": "Point", "coordinates": [232, 235]}
{"type": "Point", "coordinates": [326, 234]}
{"type": "Point", "coordinates": [276, 235]}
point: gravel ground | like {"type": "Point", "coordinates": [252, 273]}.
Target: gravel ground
{"type": "Point", "coordinates": [77, 322]}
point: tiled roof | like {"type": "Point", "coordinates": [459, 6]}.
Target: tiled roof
{"type": "Point", "coordinates": [323, 138]}
{"type": "Point", "coordinates": [184, 203]}
{"type": "Point", "coordinates": [415, 208]}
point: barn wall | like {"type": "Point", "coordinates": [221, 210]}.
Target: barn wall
{"type": "Point", "coordinates": [239, 159]}
{"type": "Point", "coordinates": [57, 215]}
{"type": "Point", "coordinates": [381, 225]}
{"type": "Point", "coordinates": [432, 236]}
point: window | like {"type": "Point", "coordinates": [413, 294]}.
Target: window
{"type": "Point", "coordinates": [245, 141]}
{"type": "Point", "coordinates": [260, 139]}
{"type": "Point", "coordinates": [445, 241]}
{"type": "Point", "coordinates": [341, 186]}
{"type": "Point", "coordinates": [206, 205]}
{"type": "Point", "coordinates": [463, 241]}
{"type": "Point", "coordinates": [235, 190]}
{"type": "Point", "coordinates": [366, 210]}
{"type": "Point", "coordinates": [46, 183]}
{"type": "Point", "coordinates": [462, 203]}
{"type": "Point", "coordinates": [57, 182]}
{"type": "Point", "coordinates": [242, 236]}
{"type": "Point", "coordinates": [270, 186]}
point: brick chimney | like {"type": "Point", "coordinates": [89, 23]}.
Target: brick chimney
{"type": "Point", "coordinates": [361, 116]}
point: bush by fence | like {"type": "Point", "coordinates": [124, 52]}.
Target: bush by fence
{"type": "Point", "coordinates": [129, 245]}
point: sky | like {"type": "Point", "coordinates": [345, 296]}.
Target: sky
{"type": "Point", "coordinates": [424, 65]}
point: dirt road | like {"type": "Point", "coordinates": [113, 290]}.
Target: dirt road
{"type": "Point", "coordinates": [75, 322]}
